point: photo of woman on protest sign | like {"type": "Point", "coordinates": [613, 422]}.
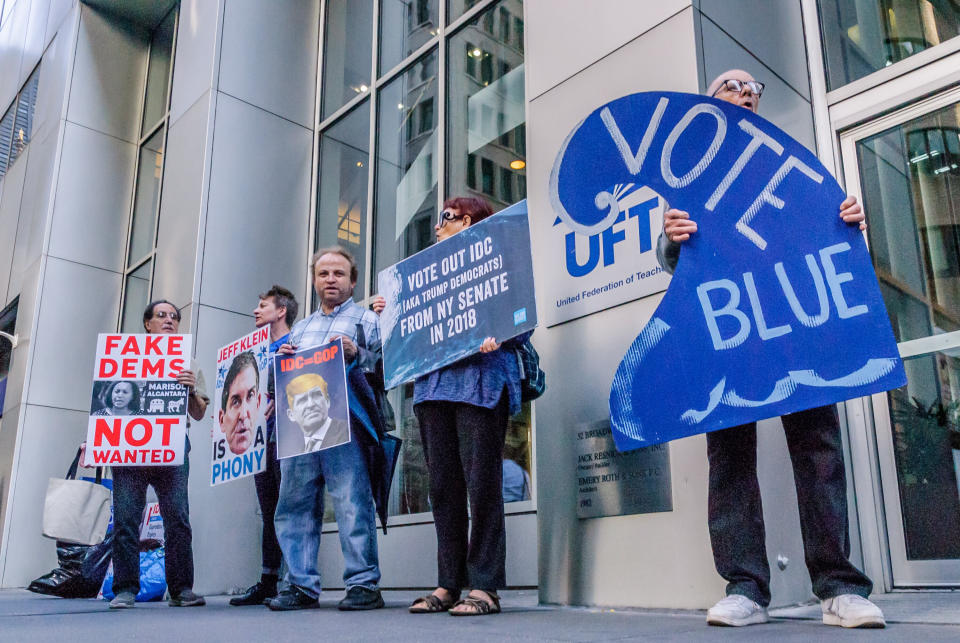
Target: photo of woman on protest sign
{"type": "Point", "coordinates": [120, 397]}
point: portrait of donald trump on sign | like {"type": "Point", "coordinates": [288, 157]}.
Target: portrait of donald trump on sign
{"type": "Point", "coordinates": [311, 405]}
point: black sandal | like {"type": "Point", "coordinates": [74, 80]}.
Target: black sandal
{"type": "Point", "coordinates": [433, 604]}
{"type": "Point", "coordinates": [479, 606]}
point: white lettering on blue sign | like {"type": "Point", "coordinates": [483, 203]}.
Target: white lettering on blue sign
{"type": "Point", "coordinates": [834, 281]}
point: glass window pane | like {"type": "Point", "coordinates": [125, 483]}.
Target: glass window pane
{"type": "Point", "coordinates": [410, 492]}
{"type": "Point", "coordinates": [342, 187]}
{"type": "Point", "coordinates": [910, 176]}
{"type": "Point", "coordinates": [135, 298]}
{"type": "Point", "coordinates": [146, 198]}
{"type": "Point", "coordinates": [158, 72]}
{"type": "Point", "coordinates": [456, 8]}
{"type": "Point", "coordinates": [863, 36]}
{"type": "Point", "coordinates": [485, 110]}
{"type": "Point", "coordinates": [925, 417]}
{"type": "Point", "coordinates": [405, 26]}
{"type": "Point", "coordinates": [406, 169]}
{"type": "Point", "coordinates": [347, 52]}
{"type": "Point", "coordinates": [6, 136]}
{"type": "Point", "coordinates": [23, 125]}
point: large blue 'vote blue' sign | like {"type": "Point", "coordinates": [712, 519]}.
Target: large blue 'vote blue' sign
{"type": "Point", "coordinates": [444, 301]}
{"type": "Point", "coordinates": [774, 306]}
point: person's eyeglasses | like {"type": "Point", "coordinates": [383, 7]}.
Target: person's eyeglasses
{"type": "Point", "coordinates": [447, 215]}
{"type": "Point", "coordinates": [736, 86]}
{"type": "Point", "coordinates": [162, 314]}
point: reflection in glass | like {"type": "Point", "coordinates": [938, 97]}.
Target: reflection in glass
{"type": "Point", "coordinates": [411, 487]}
{"type": "Point", "coordinates": [147, 198]}
{"type": "Point", "coordinates": [8, 324]}
{"type": "Point", "coordinates": [158, 73]}
{"type": "Point", "coordinates": [910, 176]}
{"type": "Point", "coordinates": [517, 458]}
{"type": "Point", "coordinates": [485, 108]}
{"type": "Point", "coordinates": [23, 126]}
{"type": "Point", "coordinates": [925, 418]}
{"type": "Point", "coordinates": [342, 187]}
{"type": "Point", "coordinates": [406, 169]}
{"type": "Point", "coordinates": [347, 52]}
{"type": "Point", "coordinates": [6, 136]}
{"type": "Point", "coordinates": [135, 298]}
{"type": "Point", "coordinates": [405, 26]}
{"type": "Point", "coordinates": [863, 36]}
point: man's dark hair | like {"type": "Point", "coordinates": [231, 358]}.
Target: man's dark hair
{"type": "Point", "coordinates": [148, 311]}
{"type": "Point", "coordinates": [335, 250]}
{"type": "Point", "coordinates": [283, 298]}
{"type": "Point", "coordinates": [240, 362]}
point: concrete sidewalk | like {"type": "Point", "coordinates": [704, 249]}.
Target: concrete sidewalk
{"type": "Point", "coordinates": [26, 617]}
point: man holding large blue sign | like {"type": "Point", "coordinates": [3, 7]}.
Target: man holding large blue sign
{"type": "Point", "coordinates": [814, 441]}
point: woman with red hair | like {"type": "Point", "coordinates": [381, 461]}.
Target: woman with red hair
{"type": "Point", "coordinates": [463, 410]}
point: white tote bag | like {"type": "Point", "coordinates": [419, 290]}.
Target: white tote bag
{"type": "Point", "coordinates": [76, 511]}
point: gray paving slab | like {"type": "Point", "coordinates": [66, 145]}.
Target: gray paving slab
{"type": "Point", "coordinates": [37, 619]}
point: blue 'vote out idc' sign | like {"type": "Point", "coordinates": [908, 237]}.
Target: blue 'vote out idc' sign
{"type": "Point", "coordinates": [445, 300]}
{"type": "Point", "coordinates": [774, 306]}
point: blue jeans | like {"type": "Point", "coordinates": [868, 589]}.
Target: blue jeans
{"type": "Point", "coordinates": [299, 517]}
{"type": "Point", "coordinates": [736, 516]}
{"type": "Point", "coordinates": [129, 500]}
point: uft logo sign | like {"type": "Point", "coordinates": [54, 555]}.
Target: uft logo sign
{"type": "Point", "coordinates": [628, 215]}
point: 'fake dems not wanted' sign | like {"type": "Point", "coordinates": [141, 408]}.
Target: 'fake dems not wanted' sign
{"type": "Point", "coordinates": [138, 411]}
{"type": "Point", "coordinates": [444, 301]}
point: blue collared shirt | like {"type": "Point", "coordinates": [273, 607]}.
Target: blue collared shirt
{"type": "Point", "coordinates": [320, 327]}
{"type": "Point", "coordinates": [272, 419]}
{"type": "Point", "coordinates": [479, 380]}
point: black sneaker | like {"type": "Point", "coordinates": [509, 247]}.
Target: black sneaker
{"type": "Point", "coordinates": [258, 594]}
{"type": "Point", "coordinates": [361, 598]}
{"type": "Point", "coordinates": [293, 599]}
{"type": "Point", "coordinates": [186, 598]}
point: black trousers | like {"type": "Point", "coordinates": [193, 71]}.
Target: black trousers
{"type": "Point", "coordinates": [129, 499]}
{"type": "Point", "coordinates": [463, 445]}
{"type": "Point", "coordinates": [736, 515]}
{"type": "Point", "coordinates": [268, 493]}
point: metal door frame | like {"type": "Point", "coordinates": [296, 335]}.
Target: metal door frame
{"type": "Point", "coordinates": [898, 570]}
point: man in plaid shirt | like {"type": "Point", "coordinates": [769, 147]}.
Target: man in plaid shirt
{"type": "Point", "coordinates": [299, 517]}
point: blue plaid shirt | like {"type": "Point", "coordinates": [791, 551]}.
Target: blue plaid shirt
{"type": "Point", "coordinates": [320, 328]}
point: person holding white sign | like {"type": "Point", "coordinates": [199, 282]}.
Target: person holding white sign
{"type": "Point", "coordinates": [170, 482]}
{"type": "Point", "coordinates": [277, 307]}
{"type": "Point", "coordinates": [735, 515]}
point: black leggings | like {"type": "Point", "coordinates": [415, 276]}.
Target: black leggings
{"type": "Point", "coordinates": [463, 446]}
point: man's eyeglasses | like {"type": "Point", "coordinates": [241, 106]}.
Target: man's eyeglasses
{"type": "Point", "coordinates": [447, 215]}
{"type": "Point", "coordinates": [162, 314]}
{"type": "Point", "coordinates": [736, 86]}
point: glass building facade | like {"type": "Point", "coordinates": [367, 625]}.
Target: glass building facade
{"type": "Point", "coordinates": [201, 150]}
{"type": "Point", "coordinates": [420, 102]}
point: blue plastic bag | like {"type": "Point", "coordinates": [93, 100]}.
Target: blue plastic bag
{"type": "Point", "coordinates": [153, 579]}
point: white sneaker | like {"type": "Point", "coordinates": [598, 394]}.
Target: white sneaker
{"type": "Point", "coordinates": [736, 610]}
{"type": "Point", "coordinates": [850, 610]}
